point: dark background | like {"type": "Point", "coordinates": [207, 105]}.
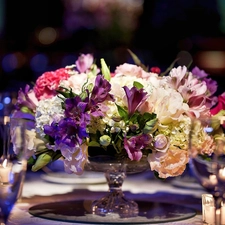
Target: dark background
{"type": "Point", "coordinates": [155, 30]}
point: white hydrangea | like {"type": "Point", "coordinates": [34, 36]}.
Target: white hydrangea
{"type": "Point", "coordinates": [47, 111]}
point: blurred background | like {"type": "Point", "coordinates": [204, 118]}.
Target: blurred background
{"type": "Point", "coordinates": [43, 35]}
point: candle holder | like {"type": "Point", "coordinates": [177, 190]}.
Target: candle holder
{"type": "Point", "coordinates": [210, 214]}
{"type": "Point", "coordinates": [207, 162]}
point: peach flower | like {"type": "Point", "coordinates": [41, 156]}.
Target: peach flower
{"type": "Point", "coordinates": [169, 164]}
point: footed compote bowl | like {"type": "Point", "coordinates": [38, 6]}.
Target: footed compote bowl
{"type": "Point", "coordinates": [115, 172]}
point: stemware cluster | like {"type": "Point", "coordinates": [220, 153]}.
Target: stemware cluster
{"type": "Point", "coordinates": [12, 166]}
{"type": "Point", "coordinates": [208, 134]}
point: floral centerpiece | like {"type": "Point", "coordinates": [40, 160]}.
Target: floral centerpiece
{"type": "Point", "coordinates": [138, 112]}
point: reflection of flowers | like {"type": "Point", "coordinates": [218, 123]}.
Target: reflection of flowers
{"type": "Point", "coordinates": [209, 131]}
{"type": "Point", "coordinates": [135, 111]}
{"type": "Point", "coordinates": [220, 105]}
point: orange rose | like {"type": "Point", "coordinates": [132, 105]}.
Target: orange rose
{"type": "Point", "coordinates": [169, 164]}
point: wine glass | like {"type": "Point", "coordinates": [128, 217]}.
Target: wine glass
{"type": "Point", "coordinates": [12, 165]}
{"type": "Point", "coordinates": [207, 162]}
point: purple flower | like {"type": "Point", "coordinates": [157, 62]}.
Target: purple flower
{"type": "Point", "coordinates": [211, 85]}
{"type": "Point", "coordinates": [135, 97]}
{"type": "Point", "coordinates": [100, 93]}
{"type": "Point", "coordinates": [202, 75]}
{"type": "Point", "coordinates": [135, 144]}
{"type": "Point", "coordinates": [101, 90]}
{"type": "Point", "coordinates": [199, 73]}
{"type": "Point", "coordinates": [67, 131]}
{"type": "Point", "coordinates": [72, 129]}
{"type": "Point", "coordinates": [76, 108]}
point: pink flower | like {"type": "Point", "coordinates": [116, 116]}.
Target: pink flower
{"type": "Point", "coordinates": [132, 70]}
{"type": "Point", "coordinates": [194, 91]}
{"type": "Point", "coordinates": [47, 84]}
{"type": "Point", "coordinates": [84, 62]}
{"type": "Point", "coordinates": [220, 105]}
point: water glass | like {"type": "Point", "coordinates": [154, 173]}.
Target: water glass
{"type": "Point", "coordinates": [13, 165]}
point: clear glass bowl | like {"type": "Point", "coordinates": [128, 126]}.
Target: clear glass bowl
{"type": "Point", "coordinates": [115, 202]}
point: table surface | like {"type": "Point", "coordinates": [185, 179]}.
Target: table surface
{"type": "Point", "coordinates": [144, 186]}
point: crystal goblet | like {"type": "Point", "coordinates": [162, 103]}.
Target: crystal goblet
{"type": "Point", "coordinates": [207, 161]}
{"type": "Point", "coordinates": [12, 166]}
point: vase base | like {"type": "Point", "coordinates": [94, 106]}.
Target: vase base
{"type": "Point", "coordinates": [80, 211]}
{"type": "Point", "coordinates": [120, 206]}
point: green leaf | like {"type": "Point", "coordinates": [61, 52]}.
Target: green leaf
{"type": "Point", "coordinates": [66, 93]}
{"type": "Point", "coordinates": [137, 61]}
{"type": "Point", "coordinates": [31, 161]}
{"type": "Point", "coordinates": [143, 119]}
{"type": "Point", "coordinates": [135, 117]}
{"type": "Point", "coordinates": [105, 70]}
{"type": "Point", "coordinates": [93, 144]}
{"type": "Point", "coordinates": [138, 85]}
{"type": "Point", "coordinates": [150, 126]}
{"type": "Point", "coordinates": [122, 112]}
{"type": "Point", "coordinates": [169, 68]}
{"type": "Point", "coordinates": [25, 109]}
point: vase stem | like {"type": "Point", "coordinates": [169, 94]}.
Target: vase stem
{"type": "Point", "coordinates": [115, 202]}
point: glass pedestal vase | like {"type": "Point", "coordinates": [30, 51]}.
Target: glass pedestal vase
{"type": "Point", "coordinates": [115, 202]}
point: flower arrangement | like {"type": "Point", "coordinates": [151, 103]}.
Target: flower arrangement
{"type": "Point", "coordinates": [137, 111]}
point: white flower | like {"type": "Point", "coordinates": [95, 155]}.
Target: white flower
{"type": "Point", "coordinates": [168, 104]}
{"type": "Point", "coordinates": [47, 111]}
{"type": "Point", "coordinates": [75, 82]}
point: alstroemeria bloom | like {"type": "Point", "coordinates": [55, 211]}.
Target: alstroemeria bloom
{"type": "Point", "coordinates": [135, 97]}
{"type": "Point", "coordinates": [135, 144]}
{"type": "Point", "coordinates": [84, 62]}
{"type": "Point", "coordinates": [194, 91]}
{"type": "Point", "coordinates": [27, 99]}
{"type": "Point", "coordinates": [101, 90]}
{"type": "Point", "coordinates": [211, 84]}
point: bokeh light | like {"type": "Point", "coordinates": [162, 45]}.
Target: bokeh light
{"type": "Point", "coordinates": [47, 35]}
{"type": "Point", "coordinates": [39, 62]}
{"type": "Point", "coordinates": [13, 61]}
